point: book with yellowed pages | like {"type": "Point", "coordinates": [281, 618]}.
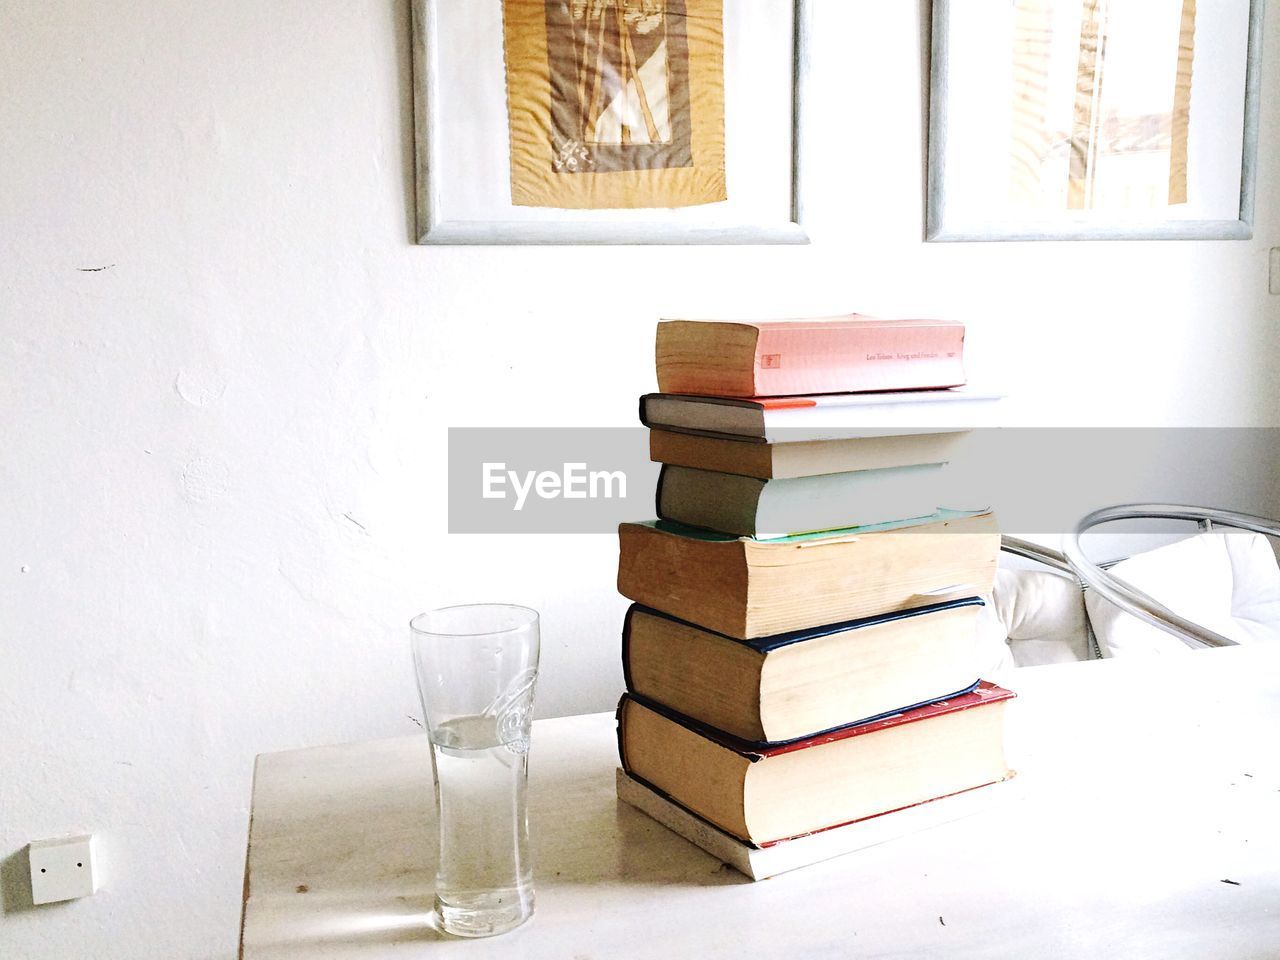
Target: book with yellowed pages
{"type": "Point", "coordinates": [774, 358]}
{"type": "Point", "coordinates": [797, 684]}
{"type": "Point", "coordinates": [763, 794]}
{"type": "Point", "coordinates": [786, 459]}
{"type": "Point", "coordinates": [746, 588]}
{"type": "Point", "coordinates": [769, 860]}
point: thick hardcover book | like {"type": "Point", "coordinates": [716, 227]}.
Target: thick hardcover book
{"type": "Point", "coordinates": [766, 793]}
{"type": "Point", "coordinates": [838, 416]}
{"type": "Point", "coordinates": [771, 509]}
{"type": "Point", "coordinates": [747, 588]}
{"type": "Point", "coordinates": [785, 460]}
{"type": "Point", "coordinates": [786, 357]}
{"type": "Point", "coordinates": [797, 684]}
{"type": "Point", "coordinates": [762, 862]}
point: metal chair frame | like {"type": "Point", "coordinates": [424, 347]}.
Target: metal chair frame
{"type": "Point", "coordinates": [1073, 562]}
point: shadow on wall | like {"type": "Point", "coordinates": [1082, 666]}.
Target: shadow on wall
{"type": "Point", "coordinates": [15, 883]}
{"type": "Point", "coordinates": [404, 69]}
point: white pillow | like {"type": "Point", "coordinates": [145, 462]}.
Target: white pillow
{"type": "Point", "coordinates": [1033, 617]}
{"type": "Point", "coordinates": [1228, 583]}
{"type": "Point", "coordinates": [1255, 595]}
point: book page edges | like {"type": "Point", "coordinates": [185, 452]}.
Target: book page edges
{"type": "Point", "coordinates": [760, 863]}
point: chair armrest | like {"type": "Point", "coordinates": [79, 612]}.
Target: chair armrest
{"type": "Point", "coordinates": [1136, 602]}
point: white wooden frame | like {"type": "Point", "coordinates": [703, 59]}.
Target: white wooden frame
{"type": "Point", "coordinates": [432, 229]}
{"type": "Point", "coordinates": [938, 229]}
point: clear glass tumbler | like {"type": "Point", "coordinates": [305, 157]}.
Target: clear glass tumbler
{"type": "Point", "coordinates": [477, 666]}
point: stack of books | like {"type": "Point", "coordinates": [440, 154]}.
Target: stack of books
{"type": "Point", "coordinates": [799, 657]}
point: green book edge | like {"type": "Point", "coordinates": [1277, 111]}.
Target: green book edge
{"type": "Point", "coordinates": [693, 533]}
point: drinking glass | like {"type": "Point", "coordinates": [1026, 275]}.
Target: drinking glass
{"type": "Point", "coordinates": [476, 667]}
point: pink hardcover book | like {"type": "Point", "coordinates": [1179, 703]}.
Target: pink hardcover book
{"type": "Point", "coordinates": [778, 358]}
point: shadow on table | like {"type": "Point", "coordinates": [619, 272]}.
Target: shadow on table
{"type": "Point", "coordinates": [611, 843]}
{"type": "Point", "coordinates": [339, 918]}
{"type": "Point", "coordinates": [354, 863]}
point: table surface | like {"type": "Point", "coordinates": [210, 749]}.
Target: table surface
{"type": "Point", "coordinates": [1144, 786]}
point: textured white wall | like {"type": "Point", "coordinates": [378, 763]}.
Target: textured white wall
{"type": "Point", "coordinates": [221, 478]}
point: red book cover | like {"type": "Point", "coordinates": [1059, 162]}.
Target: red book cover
{"type": "Point", "coordinates": [980, 696]}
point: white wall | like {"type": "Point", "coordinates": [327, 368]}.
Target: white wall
{"type": "Point", "coordinates": [221, 478]}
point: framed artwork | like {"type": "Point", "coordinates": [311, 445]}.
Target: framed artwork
{"type": "Point", "coordinates": [1093, 119]}
{"type": "Point", "coordinates": [609, 121]}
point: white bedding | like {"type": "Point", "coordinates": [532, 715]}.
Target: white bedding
{"type": "Point", "coordinates": [1229, 583]}
{"type": "Point", "coordinates": [1032, 617]}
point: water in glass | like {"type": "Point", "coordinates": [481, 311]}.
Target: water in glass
{"type": "Point", "coordinates": [485, 884]}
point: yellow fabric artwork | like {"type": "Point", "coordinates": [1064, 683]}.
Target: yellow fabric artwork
{"type": "Point", "coordinates": [615, 103]}
{"type": "Point", "coordinates": [1101, 105]}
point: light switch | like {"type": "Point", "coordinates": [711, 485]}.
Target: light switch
{"type": "Point", "coordinates": [1274, 286]}
{"type": "Point", "coordinates": [62, 869]}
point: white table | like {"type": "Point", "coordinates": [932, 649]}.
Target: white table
{"type": "Point", "coordinates": [1143, 786]}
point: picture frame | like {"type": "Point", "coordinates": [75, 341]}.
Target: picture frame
{"type": "Point", "coordinates": [1082, 160]}
{"type": "Point", "coordinates": [482, 162]}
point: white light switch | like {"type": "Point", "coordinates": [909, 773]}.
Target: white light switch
{"type": "Point", "coordinates": [62, 869]}
{"type": "Point", "coordinates": [1275, 270]}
